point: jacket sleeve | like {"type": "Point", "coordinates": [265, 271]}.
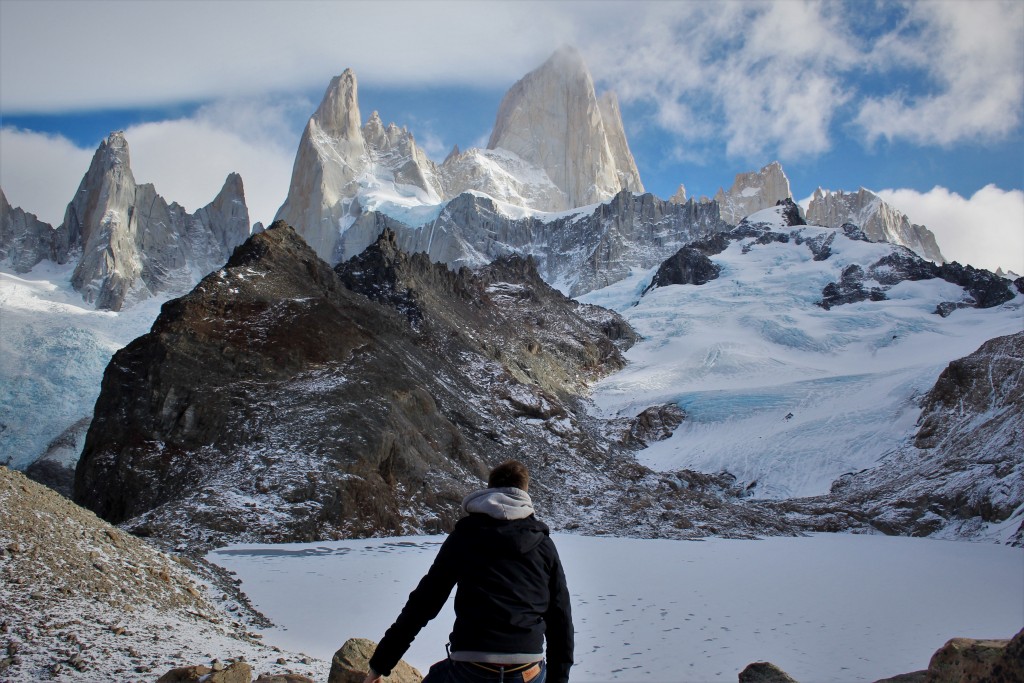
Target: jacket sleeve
{"type": "Point", "coordinates": [558, 620]}
{"type": "Point", "coordinates": [423, 605]}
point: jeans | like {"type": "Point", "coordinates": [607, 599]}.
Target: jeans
{"type": "Point", "coordinates": [450, 671]}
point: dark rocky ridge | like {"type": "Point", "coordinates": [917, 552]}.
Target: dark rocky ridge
{"type": "Point", "coordinates": [984, 289]}
{"type": "Point", "coordinates": [274, 404]}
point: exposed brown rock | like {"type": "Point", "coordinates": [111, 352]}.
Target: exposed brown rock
{"type": "Point", "coordinates": [966, 660]}
{"type": "Point", "coordinates": [352, 662]}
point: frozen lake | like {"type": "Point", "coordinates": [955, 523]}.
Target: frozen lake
{"type": "Point", "coordinates": [823, 608]}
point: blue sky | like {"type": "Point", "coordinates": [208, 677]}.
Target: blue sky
{"type": "Point", "coordinates": [922, 102]}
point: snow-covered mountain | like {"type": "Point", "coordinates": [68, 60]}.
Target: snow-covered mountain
{"type": "Point", "coordinates": [784, 390]}
{"type": "Point", "coordinates": [879, 221]}
{"type": "Point", "coordinates": [555, 146]}
{"type": "Point", "coordinates": [127, 242]}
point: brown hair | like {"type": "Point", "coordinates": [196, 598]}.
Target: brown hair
{"type": "Point", "coordinates": [512, 473]}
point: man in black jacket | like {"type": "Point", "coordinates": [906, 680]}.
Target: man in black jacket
{"type": "Point", "coordinates": [511, 594]}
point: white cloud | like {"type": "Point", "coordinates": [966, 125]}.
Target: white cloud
{"type": "Point", "coordinates": [762, 78]}
{"type": "Point", "coordinates": [104, 54]}
{"type": "Point", "coordinates": [188, 159]}
{"type": "Point", "coordinates": [972, 53]}
{"type": "Point", "coordinates": [985, 231]}
{"type": "Point", "coordinates": [755, 79]}
{"type": "Point", "coordinates": [41, 173]}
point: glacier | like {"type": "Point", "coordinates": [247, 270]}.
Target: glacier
{"type": "Point", "coordinates": [779, 392]}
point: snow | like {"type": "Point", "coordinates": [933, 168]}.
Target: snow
{"type": "Point", "coordinates": [777, 390]}
{"type": "Point", "coordinates": [823, 608]}
{"type": "Point", "coordinates": [53, 350]}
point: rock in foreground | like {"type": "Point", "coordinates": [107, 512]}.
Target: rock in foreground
{"type": "Point", "coordinates": [352, 662]}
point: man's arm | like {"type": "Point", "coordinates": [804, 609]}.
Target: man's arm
{"type": "Point", "coordinates": [423, 605]}
{"type": "Point", "coordinates": [558, 621]}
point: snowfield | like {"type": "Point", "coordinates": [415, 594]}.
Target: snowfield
{"type": "Point", "coordinates": [781, 393]}
{"type": "Point", "coordinates": [824, 608]}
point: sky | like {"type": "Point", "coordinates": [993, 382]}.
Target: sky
{"type": "Point", "coordinates": [921, 102]}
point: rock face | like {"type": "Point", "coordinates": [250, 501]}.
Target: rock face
{"type": "Point", "coordinates": [751, 192]}
{"type": "Point", "coordinates": [964, 468]}
{"type": "Point", "coordinates": [352, 662]}
{"type": "Point", "coordinates": [337, 154]}
{"type": "Point", "coordinates": [553, 119]}
{"type": "Point", "coordinates": [25, 240]}
{"type": "Point", "coordinates": [133, 243]}
{"type": "Point", "coordinates": [879, 221]}
{"type": "Point", "coordinates": [577, 252]}
{"type": "Point", "coordinates": [688, 266]}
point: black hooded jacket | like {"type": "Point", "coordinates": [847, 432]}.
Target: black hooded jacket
{"type": "Point", "coordinates": [511, 595]}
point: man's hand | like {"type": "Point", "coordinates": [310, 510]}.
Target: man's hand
{"type": "Point", "coordinates": [373, 677]}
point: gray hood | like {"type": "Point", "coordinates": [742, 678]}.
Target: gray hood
{"type": "Point", "coordinates": [505, 503]}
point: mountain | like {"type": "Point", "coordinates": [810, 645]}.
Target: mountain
{"type": "Point", "coordinates": [576, 251]}
{"type": "Point", "coordinates": [25, 240]}
{"type": "Point", "coordinates": [553, 119]}
{"type": "Point", "coordinates": [283, 400]}
{"type": "Point", "coordinates": [800, 354]}
{"type": "Point", "coordinates": [879, 221]}
{"type": "Point", "coordinates": [133, 244]}
{"type": "Point", "coordinates": [751, 192]}
{"type": "Point", "coordinates": [555, 146]}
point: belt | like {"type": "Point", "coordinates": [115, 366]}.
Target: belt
{"type": "Point", "coordinates": [528, 671]}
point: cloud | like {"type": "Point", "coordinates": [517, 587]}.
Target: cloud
{"type": "Point", "coordinates": [985, 231]}
{"type": "Point", "coordinates": [188, 159]}
{"type": "Point", "coordinates": [41, 173]}
{"type": "Point", "coordinates": [971, 55]}
{"type": "Point", "coordinates": [749, 79]}
{"type": "Point", "coordinates": [756, 78]}
{"type": "Point", "coordinates": [112, 54]}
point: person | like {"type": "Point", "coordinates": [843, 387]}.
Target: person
{"type": "Point", "coordinates": [511, 594]}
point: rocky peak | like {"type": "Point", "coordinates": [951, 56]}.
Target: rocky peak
{"type": "Point", "coordinates": [680, 196]}
{"type": "Point", "coordinates": [552, 118]}
{"type": "Point", "coordinates": [751, 192]}
{"type": "Point", "coordinates": [108, 182]}
{"type": "Point", "coordinates": [25, 240]}
{"type": "Point", "coordinates": [134, 244]}
{"type": "Point", "coordinates": [880, 221]}
{"type": "Point", "coordinates": [338, 113]}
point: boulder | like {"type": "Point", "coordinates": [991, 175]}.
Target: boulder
{"type": "Point", "coordinates": [239, 672]}
{"type": "Point", "coordinates": [352, 662]}
{"type": "Point", "coordinates": [185, 674]}
{"type": "Point", "coordinates": [764, 672]}
{"type": "Point", "coordinates": [967, 660]}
